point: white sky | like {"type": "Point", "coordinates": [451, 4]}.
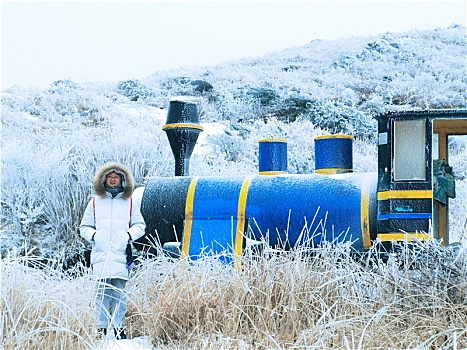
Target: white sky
{"type": "Point", "coordinates": [119, 40]}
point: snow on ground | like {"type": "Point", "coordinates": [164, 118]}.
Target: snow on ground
{"type": "Point", "coordinates": [139, 343]}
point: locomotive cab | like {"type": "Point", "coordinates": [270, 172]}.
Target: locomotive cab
{"type": "Point", "coordinates": [415, 180]}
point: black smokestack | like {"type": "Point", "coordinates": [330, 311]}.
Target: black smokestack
{"type": "Point", "coordinates": [182, 129]}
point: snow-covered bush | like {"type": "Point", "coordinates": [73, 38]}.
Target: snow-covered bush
{"type": "Point", "coordinates": [134, 90]}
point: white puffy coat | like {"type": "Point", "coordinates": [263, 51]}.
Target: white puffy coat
{"type": "Point", "coordinates": [106, 224]}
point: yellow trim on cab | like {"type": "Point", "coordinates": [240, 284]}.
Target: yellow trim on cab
{"type": "Point", "coordinates": [405, 194]}
{"type": "Point", "coordinates": [401, 236]}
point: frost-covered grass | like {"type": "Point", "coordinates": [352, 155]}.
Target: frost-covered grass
{"type": "Point", "coordinates": [321, 299]}
{"type": "Point", "coordinates": [43, 307]}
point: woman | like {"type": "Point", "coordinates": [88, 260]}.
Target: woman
{"type": "Point", "coordinates": [110, 221]}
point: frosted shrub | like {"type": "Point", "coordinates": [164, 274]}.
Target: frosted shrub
{"type": "Point", "coordinates": [338, 118]}
{"type": "Point", "coordinates": [37, 194]}
{"type": "Point", "coordinates": [43, 308]}
{"type": "Point", "coordinates": [235, 109]}
{"type": "Point", "coordinates": [365, 156]}
{"type": "Point", "coordinates": [134, 90]}
{"type": "Point", "coordinates": [293, 107]}
{"type": "Point", "coordinates": [374, 105]}
{"type": "Point", "coordinates": [64, 102]}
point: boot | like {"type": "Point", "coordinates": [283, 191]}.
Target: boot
{"type": "Point", "coordinates": [120, 334]}
{"type": "Point", "coordinates": [102, 332]}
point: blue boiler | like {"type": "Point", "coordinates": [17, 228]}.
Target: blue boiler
{"type": "Point", "coordinates": [215, 214]}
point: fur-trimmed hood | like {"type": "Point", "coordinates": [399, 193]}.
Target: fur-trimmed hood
{"type": "Point", "coordinates": [127, 179]}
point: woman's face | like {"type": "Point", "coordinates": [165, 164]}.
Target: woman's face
{"type": "Point", "coordinates": [113, 179]}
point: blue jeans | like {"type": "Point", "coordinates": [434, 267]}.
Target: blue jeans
{"type": "Point", "coordinates": [111, 303]}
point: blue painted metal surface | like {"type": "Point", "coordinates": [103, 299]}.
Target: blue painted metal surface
{"type": "Point", "coordinates": [283, 210]}
{"type": "Point", "coordinates": [308, 208]}
{"type": "Point", "coordinates": [272, 156]}
{"type": "Point", "coordinates": [215, 206]}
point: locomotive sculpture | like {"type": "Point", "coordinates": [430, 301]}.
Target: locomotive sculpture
{"type": "Point", "coordinates": [216, 214]}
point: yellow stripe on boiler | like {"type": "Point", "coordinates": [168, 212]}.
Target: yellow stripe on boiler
{"type": "Point", "coordinates": [241, 217]}
{"type": "Point", "coordinates": [188, 218]}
